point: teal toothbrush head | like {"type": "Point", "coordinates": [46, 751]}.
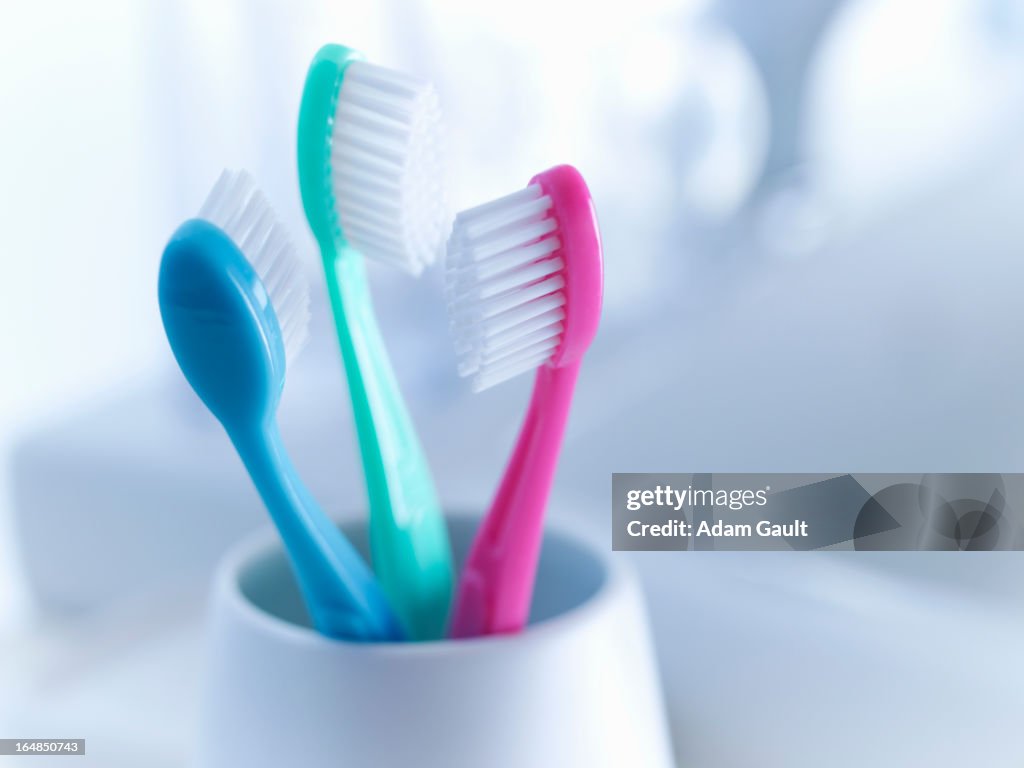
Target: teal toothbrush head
{"type": "Point", "coordinates": [235, 308]}
{"type": "Point", "coordinates": [371, 161]}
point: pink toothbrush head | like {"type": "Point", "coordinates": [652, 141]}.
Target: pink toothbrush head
{"type": "Point", "coordinates": [524, 281]}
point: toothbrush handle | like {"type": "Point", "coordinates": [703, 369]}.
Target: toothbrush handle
{"type": "Point", "coordinates": [408, 535]}
{"type": "Point", "coordinates": [343, 598]}
{"type": "Point", "coordinates": [496, 585]}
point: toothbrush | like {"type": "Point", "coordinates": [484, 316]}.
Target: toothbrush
{"type": "Point", "coordinates": [524, 283]}
{"type": "Point", "coordinates": [368, 170]}
{"type": "Point", "coordinates": [235, 307]}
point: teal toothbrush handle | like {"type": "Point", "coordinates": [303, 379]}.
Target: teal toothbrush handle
{"type": "Point", "coordinates": [408, 535]}
{"type": "Point", "coordinates": [343, 597]}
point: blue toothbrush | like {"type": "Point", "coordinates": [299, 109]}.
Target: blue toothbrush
{"type": "Point", "coordinates": [235, 308]}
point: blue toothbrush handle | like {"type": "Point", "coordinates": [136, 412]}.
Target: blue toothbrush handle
{"type": "Point", "coordinates": [343, 597]}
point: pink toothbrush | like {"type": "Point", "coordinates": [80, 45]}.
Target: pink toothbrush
{"type": "Point", "coordinates": [524, 281]}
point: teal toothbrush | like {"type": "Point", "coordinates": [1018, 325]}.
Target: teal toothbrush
{"type": "Point", "coordinates": [369, 171]}
{"type": "Point", "coordinates": [235, 307]}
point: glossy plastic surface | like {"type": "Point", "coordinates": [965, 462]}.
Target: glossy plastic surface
{"type": "Point", "coordinates": [411, 552]}
{"type": "Point", "coordinates": [227, 341]}
{"type": "Point", "coordinates": [496, 584]}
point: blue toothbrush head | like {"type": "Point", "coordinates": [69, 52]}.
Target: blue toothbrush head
{"type": "Point", "coordinates": [234, 302]}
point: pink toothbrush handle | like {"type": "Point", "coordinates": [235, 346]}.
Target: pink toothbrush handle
{"type": "Point", "coordinates": [496, 585]}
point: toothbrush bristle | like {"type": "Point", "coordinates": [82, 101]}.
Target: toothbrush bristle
{"type": "Point", "coordinates": [240, 209]}
{"type": "Point", "coordinates": [387, 171]}
{"type": "Point", "coordinates": [506, 287]}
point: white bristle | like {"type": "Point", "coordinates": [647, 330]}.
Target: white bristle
{"type": "Point", "coordinates": [238, 207]}
{"type": "Point", "coordinates": [387, 170]}
{"type": "Point", "coordinates": [505, 281]}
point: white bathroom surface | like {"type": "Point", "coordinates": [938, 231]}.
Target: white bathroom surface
{"type": "Point", "coordinates": [768, 661]}
{"type": "Point", "coordinates": [126, 680]}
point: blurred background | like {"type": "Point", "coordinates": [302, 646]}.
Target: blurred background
{"type": "Point", "coordinates": [812, 221]}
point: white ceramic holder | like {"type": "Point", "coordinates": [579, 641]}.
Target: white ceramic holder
{"type": "Point", "coordinates": [577, 689]}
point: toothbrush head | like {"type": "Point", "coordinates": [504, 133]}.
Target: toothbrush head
{"type": "Point", "coordinates": [234, 302]}
{"type": "Point", "coordinates": [524, 279]}
{"type": "Point", "coordinates": [370, 164]}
